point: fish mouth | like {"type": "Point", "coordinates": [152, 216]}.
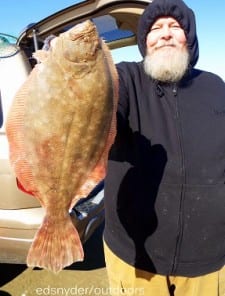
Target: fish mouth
{"type": "Point", "coordinates": [81, 44]}
{"type": "Point", "coordinates": [81, 30]}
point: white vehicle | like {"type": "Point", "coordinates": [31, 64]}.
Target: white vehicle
{"type": "Point", "coordinates": [21, 213]}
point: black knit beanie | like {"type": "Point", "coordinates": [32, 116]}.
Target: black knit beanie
{"type": "Point", "coordinates": [173, 8]}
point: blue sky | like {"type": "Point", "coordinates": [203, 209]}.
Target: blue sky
{"type": "Point", "coordinates": [17, 14]}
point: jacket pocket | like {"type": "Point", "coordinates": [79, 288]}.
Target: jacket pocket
{"type": "Point", "coordinates": [203, 224]}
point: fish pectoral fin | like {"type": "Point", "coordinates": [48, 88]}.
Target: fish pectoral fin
{"type": "Point", "coordinates": [93, 179]}
{"type": "Point", "coordinates": [55, 246]}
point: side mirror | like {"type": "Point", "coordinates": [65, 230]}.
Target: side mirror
{"type": "Point", "coordinates": [8, 45]}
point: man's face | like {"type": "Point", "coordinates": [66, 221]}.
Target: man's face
{"type": "Point", "coordinates": [167, 55]}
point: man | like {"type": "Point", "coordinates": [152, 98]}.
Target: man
{"type": "Point", "coordinates": [164, 191]}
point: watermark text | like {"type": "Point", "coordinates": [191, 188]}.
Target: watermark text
{"type": "Point", "coordinates": [92, 291]}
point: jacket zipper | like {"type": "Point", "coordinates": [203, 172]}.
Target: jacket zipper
{"type": "Point", "coordinates": [180, 218]}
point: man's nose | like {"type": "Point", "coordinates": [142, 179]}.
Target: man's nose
{"type": "Point", "coordinates": [166, 32]}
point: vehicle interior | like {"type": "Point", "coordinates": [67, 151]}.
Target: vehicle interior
{"type": "Point", "coordinates": [116, 22]}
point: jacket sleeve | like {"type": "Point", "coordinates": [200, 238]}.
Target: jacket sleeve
{"type": "Point", "coordinates": [117, 149]}
{"type": "Point", "coordinates": [123, 103]}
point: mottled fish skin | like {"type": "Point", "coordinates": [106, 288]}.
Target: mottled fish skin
{"type": "Point", "coordinates": [60, 128]}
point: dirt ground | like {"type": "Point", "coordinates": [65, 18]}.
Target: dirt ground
{"type": "Point", "coordinates": [83, 278]}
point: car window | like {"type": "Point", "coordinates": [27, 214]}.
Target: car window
{"type": "Point", "coordinates": [108, 29]}
{"type": "Point", "coordinates": [129, 53]}
{"type": "Point", "coordinates": [121, 41]}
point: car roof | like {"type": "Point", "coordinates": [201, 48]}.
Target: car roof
{"type": "Point", "coordinates": [116, 20]}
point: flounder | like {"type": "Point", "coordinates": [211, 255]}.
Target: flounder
{"type": "Point", "coordinates": [60, 129]}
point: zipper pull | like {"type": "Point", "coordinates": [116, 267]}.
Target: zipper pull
{"type": "Point", "coordinates": [159, 90]}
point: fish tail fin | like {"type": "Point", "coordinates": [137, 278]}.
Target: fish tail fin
{"type": "Point", "coordinates": [56, 245]}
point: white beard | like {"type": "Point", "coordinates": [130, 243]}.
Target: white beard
{"type": "Point", "coordinates": [167, 64]}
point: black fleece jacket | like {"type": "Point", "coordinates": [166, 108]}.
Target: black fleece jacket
{"type": "Point", "coordinates": [165, 186]}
